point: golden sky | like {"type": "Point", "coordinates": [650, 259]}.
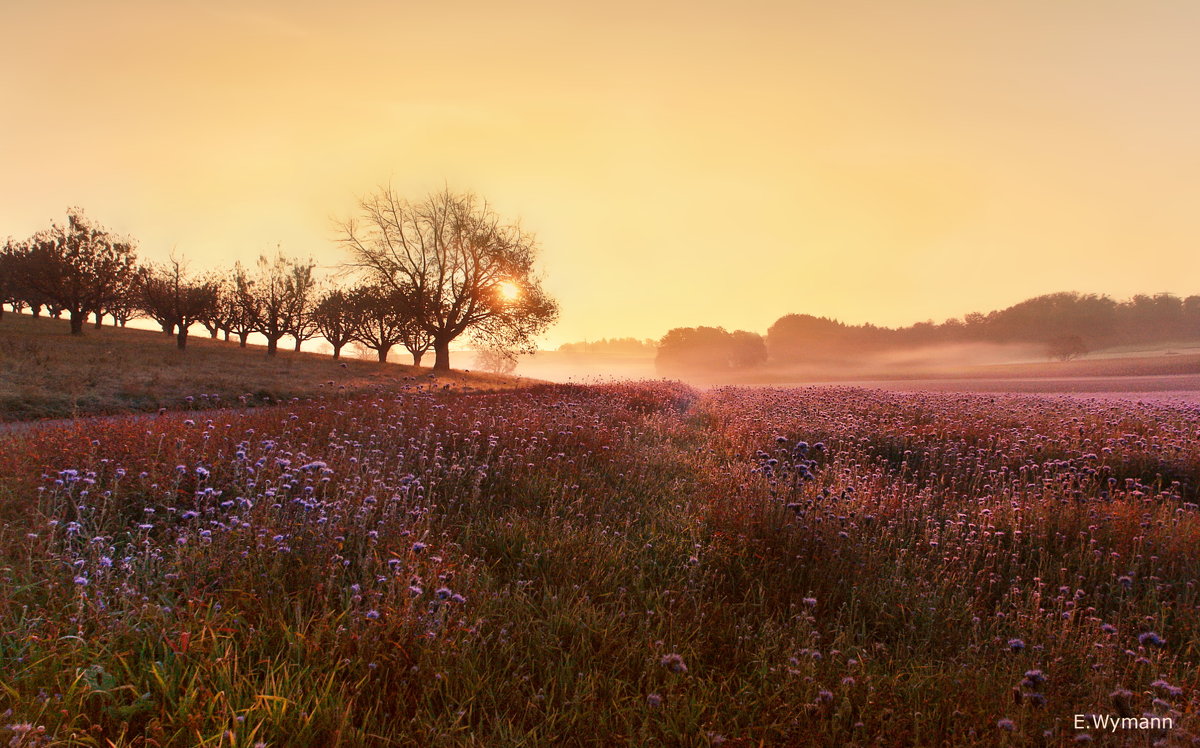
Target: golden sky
{"type": "Point", "coordinates": [688, 163]}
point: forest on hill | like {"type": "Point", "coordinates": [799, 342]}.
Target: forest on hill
{"type": "Point", "coordinates": [1060, 326]}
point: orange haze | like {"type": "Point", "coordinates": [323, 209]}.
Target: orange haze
{"type": "Point", "coordinates": [683, 163]}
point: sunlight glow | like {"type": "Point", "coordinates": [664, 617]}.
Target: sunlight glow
{"type": "Point", "coordinates": [509, 291]}
{"type": "Point", "coordinates": [898, 159]}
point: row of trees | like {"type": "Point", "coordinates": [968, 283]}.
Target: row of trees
{"type": "Point", "coordinates": [422, 274]}
{"type": "Point", "coordinates": [80, 269]}
{"type": "Point", "coordinates": [77, 268]}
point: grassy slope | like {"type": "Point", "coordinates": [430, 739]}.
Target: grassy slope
{"type": "Point", "coordinates": [46, 373]}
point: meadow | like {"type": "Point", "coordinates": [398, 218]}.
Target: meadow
{"type": "Point", "coordinates": [624, 564]}
{"type": "Point", "coordinates": [45, 372]}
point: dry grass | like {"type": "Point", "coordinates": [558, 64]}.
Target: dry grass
{"type": "Point", "coordinates": [46, 373]}
{"type": "Point", "coordinates": [609, 565]}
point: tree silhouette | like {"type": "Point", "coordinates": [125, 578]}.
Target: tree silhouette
{"type": "Point", "coordinates": [455, 266]}
{"type": "Point", "coordinates": [1066, 347]}
{"type": "Point", "coordinates": [379, 323]}
{"type": "Point", "coordinates": [303, 290]}
{"type": "Point", "coordinates": [217, 318]}
{"type": "Point", "coordinates": [11, 293]}
{"type": "Point", "coordinates": [708, 349]}
{"type": "Point", "coordinates": [336, 320]}
{"type": "Point", "coordinates": [168, 292]}
{"type": "Point", "coordinates": [271, 302]}
{"type": "Point", "coordinates": [79, 267]}
{"type": "Point", "coordinates": [241, 307]}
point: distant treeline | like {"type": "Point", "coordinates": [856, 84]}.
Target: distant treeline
{"type": "Point", "coordinates": [613, 347]}
{"type": "Point", "coordinates": [1062, 325]}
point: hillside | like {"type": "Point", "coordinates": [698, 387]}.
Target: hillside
{"type": "Point", "coordinates": [47, 373]}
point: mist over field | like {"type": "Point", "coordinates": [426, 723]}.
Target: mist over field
{"type": "Point", "coordinates": [1040, 338]}
{"type": "Point", "coordinates": [556, 366]}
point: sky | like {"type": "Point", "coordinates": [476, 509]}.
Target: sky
{"type": "Point", "coordinates": [690, 163]}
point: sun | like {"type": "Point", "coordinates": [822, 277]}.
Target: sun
{"type": "Point", "coordinates": [509, 291]}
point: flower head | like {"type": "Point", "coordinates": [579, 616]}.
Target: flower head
{"type": "Point", "coordinates": [674, 663]}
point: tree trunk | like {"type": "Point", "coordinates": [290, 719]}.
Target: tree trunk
{"type": "Point", "coordinates": [242, 339]}
{"type": "Point", "coordinates": [226, 334]}
{"type": "Point", "coordinates": [417, 355]}
{"type": "Point", "coordinates": [337, 352]}
{"type": "Point", "coordinates": [99, 320]}
{"type": "Point", "coordinates": [441, 355]}
{"type": "Point", "coordinates": [168, 328]}
{"type": "Point", "coordinates": [298, 342]}
{"type": "Point", "coordinates": [215, 332]}
{"type": "Point", "coordinates": [77, 319]}
{"type": "Point", "coordinates": [181, 337]}
{"type": "Point", "coordinates": [36, 310]}
{"type": "Point", "coordinates": [272, 346]}
{"type": "Point", "coordinates": [383, 352]}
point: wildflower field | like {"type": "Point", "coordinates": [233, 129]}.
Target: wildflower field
{"type": "Point", "coordinates": [626, 564]}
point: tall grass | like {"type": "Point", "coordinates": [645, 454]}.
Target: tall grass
{"type": "Point", "coordinates": [605, 565]}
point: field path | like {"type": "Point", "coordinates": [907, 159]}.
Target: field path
{"type": "Point", "coordinates": [16, 428]}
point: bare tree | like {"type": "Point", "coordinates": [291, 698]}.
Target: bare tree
{"type": "Point", "coordinates": [336, 320]}
{"type": "Point", "coordinates": [455, 267]}
{"type": "Point", "coordinates": [170, 293]}
{"type": "Point", "coordinates": [77, 267]}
